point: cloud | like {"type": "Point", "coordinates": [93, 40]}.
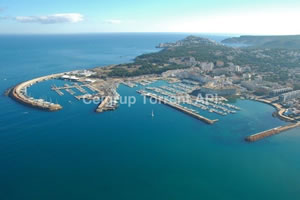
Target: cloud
{"type": "Point", "coordinates": [112, 21]}
{"type": "Point", "coordinates": [52, 19]}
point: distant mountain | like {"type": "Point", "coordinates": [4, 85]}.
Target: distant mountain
{"type": "Point", "coordinates": [285, 42]}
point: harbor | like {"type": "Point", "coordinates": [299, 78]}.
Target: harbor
{"type": "Point", "coordinates": [176, 93]}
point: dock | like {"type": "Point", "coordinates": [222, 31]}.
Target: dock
{"type": "Point", "coordinates": [57, 90]}
{"type": "Point", "coordinates": [270, 132]}
{"type": "Point", "coordinates": [78, 87]}
{"type": "Point", "coordinates": [180, 108]}
{"type": "Point", "coordinates": [68, 88]}
{"type": "Point", "coordinates": [70, 91]}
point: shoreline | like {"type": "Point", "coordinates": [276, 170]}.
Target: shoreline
{"type": "Point", "coordinates": [280, 110]}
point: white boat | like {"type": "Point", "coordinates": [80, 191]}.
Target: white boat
{"type": "Point", "coordinates": [152, 114]}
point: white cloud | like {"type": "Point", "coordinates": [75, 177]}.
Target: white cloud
{"type": "Point", "coordinates": [52, 19]}
{"type": "Point", "coordinates": [112, 21]}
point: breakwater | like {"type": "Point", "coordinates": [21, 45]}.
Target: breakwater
{"type": "Point", "coordinates": [270, 132]}
{"type": "Point", "coordinates": [18, 93]}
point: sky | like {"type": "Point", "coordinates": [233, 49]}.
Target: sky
{"type": "Point", "coordinates": [251, 17]}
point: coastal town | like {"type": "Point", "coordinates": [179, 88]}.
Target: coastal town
{"type": "Point", "coordinates": [187, 78]}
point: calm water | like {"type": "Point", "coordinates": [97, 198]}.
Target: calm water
{"type": "Point", "coordinates": [78, 154]}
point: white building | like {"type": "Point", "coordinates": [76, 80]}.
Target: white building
{"type": "Point", "coordinates": [289, 96]}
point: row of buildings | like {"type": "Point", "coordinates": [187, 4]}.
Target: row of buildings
{"type": "Point", "coordinates": [289, 96]}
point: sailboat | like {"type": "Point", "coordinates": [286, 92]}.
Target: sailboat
{"type": "Point", "coordinates": [152, 114]}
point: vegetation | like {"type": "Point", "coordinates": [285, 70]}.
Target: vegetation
{"type": "Point", "coordinates": [120, 71]}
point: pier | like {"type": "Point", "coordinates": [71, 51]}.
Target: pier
{"type": "Point", "coordinates": [68, 88]}
{"type": "Point", "coordinates": [270, 132]}
{"type": "Point", "coordinates": [179, 107]}
{"type": "Point", "coordinates": [58, 91]}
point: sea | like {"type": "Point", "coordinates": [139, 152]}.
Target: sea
{"type": "Point", "coordinates": [127, 154]}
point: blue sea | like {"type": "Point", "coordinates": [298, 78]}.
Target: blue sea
{"type": "Point", "coordinates": [126, 154]}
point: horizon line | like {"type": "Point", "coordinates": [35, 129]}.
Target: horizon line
{"type": "Point", "coordinates": [125, 32]}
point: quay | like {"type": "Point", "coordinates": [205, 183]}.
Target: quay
{"type": "Point", "coordinates": [270, 132]}
{"type": "Point", "coordinates": [180, 108]}
{"type": "Point", "coordinates": [18, 93]}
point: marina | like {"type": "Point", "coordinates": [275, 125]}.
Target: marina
{"type": "Point", "coordinates": [211, 105]}
{"type": "Point", "coordinates": [177, 94]}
